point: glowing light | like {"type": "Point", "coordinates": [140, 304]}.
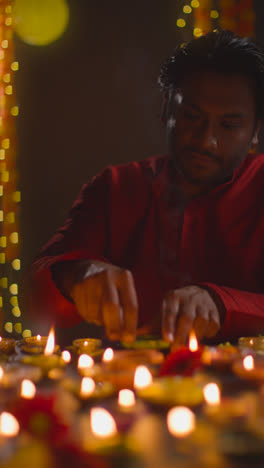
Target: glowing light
{"type": "Point", "coordinates": [8, 9]}
{"type": "Point", "coordinates": [16, 196]}
{"type": "Point", "coordinates": [14, 237]}
{"type": "Point", "coordinates": [102, 423]}
{"type": "Point", "coordinates": [195, 3]}
{"type": "Point", "coordinates": [38, 337]}
{"type": "Point", "coordinates": [16, 311]}
{"type": "Point", "coordinates": [14, 301]}
{"type": "Point", "coordinates": [181, 23]}
{"type": "Point", "coordinates": [187, 9]}
{"type": "Point", "coordinates": [2, 154]}
{"type": "Point", "coordinates": [126, 398]}
{"type": "Point", "coordinates": [1, 190]}
{"type": "Point", "coordinates": [142, 377]}
{"type": "Point", "coordinates": [1, 372]}
{"type": "Point", "coordinates": [248, 363]}
{"type": "Point", "coordinates": [13, 288]}
{"type": "Point", "coordinates": [9, 426]}
{"type": "Point", "coordinates": [4, 44]}
{"type": "Point", "coordinates": [8, 21]}
{"type": "Point", "coordinates": [2, 258]}
{"type": "Point", "coordinates": [197, 32]}
{"type": "Point", "coordinates": [193, 343]}
{"type": "Point", "coordinates": [212, 394]}
{"type": "Point", "coordinates": [14, 111]}
{"type": "Point", "coordinates": [9, 90]}
{"type": "Point", "coordinates": [26, 333]}
{"type": "Point", "coordinates": [16, 264]}
{"type": "Point", "coordinates": [8, 327]}
{"type": "Point", "coordinates": [18, 327]}
{"type": "Point", "coordinates": [214, 14]}
{"type": "Point", "coordinates": [87, 386]}
{"type": "Point", "coordinates": [50, 345]}
{"type": "Point", "coordinates": [180, 421]}
{"type": "Point", "coordinates": [108, 355]}
{"type": "Point", "coordinates": [28, 389]}
{"type": "Point", "coordinates": [6, 77]}
{"type": "Point", "coordinates": [5, 143]}
{"type": "Point", "coordinates": [66, 356]}
{"type": "Point", "coordinates": [3, 241]}
{"type": "Point", "coordinates": [85, 361]}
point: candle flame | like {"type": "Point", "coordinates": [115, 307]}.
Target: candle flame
{"type": "Point", "coordinates": [251, 342]}
{"type": "Point", "coordinates": [180, 421]}
{"type": "Point", "coordinates": [38, 338]}
{"type": "Point", "coordinates": [102, 423]}
{"type": "Point", "coordinates": [1, 338]}
{"type": "Point", "coordinates": [1, 372]}
{"type": "Point", "coordinates": [193, 343]}
{"type": "Point", "coordinates": [50, 346]}
{"type": "Point", "coordinates": [108, 355]}
{"type": "Point", "coordinates": [28, 389]}
{"type": "Point", "coordinates": [85, 343]}
{"type": "Point", "coordinates": [87, 386]}
{"type": "Point", "coordinates": [66, 356]}
{"type": "Point", "coordinates": [248, 362]}
{"type": "Point", "coordinates": [85, 361]}
{"type": "Point", "coordinates": [126, 398]}
{"type": "Point", "coordinates": [212, 394]}
{"type": "Point", "coordinates": [142, 377]}
{"type": "Point", "coordinates": [9, 426]}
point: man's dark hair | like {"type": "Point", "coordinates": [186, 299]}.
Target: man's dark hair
{"type": "Point", "coordinates": [221, 52]}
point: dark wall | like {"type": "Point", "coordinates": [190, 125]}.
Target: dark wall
{"type": "Point", "coordinates": [88, 100]}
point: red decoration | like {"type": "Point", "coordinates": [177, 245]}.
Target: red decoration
{"type": "Point", "coordinates": [183, 361]}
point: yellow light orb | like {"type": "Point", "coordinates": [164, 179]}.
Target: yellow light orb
{"type": "Point", "coordinates": [42, 22]}
{"type": "Point", "coordinates": [187, 9]}
{"type": "Point", "coordinates": [181, 23]}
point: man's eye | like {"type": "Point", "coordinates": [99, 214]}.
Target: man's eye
{"type": "Point", "coordinates": [190, 115]}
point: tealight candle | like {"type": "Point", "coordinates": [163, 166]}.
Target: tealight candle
{"type": "Point", "coordinates": [86, 345]}
{"type": "Point", "coordinates": [249, 368]}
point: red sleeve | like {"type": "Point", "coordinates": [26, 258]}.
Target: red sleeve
{"type": "Point", "coordinates": [244, 312]}
{"type": "Point", "coordinates": [83, 236]}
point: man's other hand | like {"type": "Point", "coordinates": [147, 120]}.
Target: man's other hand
{"type": "Point", "coordinates": [106, 296]}
{"type": "Point", "coordinates": [189, 308]}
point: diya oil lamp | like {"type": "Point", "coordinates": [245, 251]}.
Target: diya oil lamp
{"type": "Point", "coordinates": [250, 368]}
{"type": "Point", "coordinates": [7, 345]}
{"type": "Point", "coordinates": [48, 360]}
{"type": "Point", "coordinates": [254, 343]}
{"type": "Point", "coordinates": [92, 346]}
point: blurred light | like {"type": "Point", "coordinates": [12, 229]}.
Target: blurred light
{"type": "Point", "coordinates": [87, 386]}
{"type": "Point", "coordinates": [10, 217]}
{"type": "Point", "coordinates": [14, 66]}
{"type": "Point", "coordinates": [4, 44]}
{"type": "Point", "coordinates": [8, 327]}
{"type": "Point", "coordinates": [5, 143]}
{"type": "Point", "coordinates": [66, 356]}
{"type": "Point", "coordinates": [2, 154]}
{"type": "Point", "coordinates": [181, 23]}
{"type": "Point", "coordinates": [13, 288]}
{"type": "Point", "coordinates": [16, 196]}
{"type": "Point", "coordinates": [16, 264]}
{"type": "Point", "coordinates": [108, 355]}
{"type": "Point", "coordinates": [214, 14]}
{"type": "Point", "coordinates": [14, 237]}
{"type": "Point", "coordinates": [102, 423]}
{"type": "Point", "coordinates": [14, 111]}
{"type": "Point", "coordinates": [28, 389]}
{"type": "Point", "coordinates": [193, 343]}
{"type": "Point", "coordinates": [26, 333]}
{"type": "Point", "coordinates": [9, 426]}
{"type": "Point", "coordinates": [126, 398]}
{"type": "Point", "coordinates": [13, 301]}
{"type": "Point", "coordinates": [50, 345]}
{"type": "Point", "coordinates": [195, 3]}
{"type": "Point", "coordinates": [197, 32]}
{"type": "Point", "coordinates": [1, 219]}
{"type": "Point", "coordinates": [8, 21]}
{"type": "Point", "coordinates": [142, 377]}
{"type": "Point", "coordinates": [18, 327]}
{"type": "Point", "coordinates": [9, 89]}
{"type": "Point", "coordinates": [6, 77]}
{"type": "Point", "coordinates": [180, 421]}
{"type": "Point", "coordinates": [85, 361]}
{"type": "Point", "coordinates": [211, 394]}
{"type": "Point", "coordinates": [248, 362]}
{"type": "Point", "coordinates": [187, 9]}
{"type": "Point", "coordinates": [16, 312]}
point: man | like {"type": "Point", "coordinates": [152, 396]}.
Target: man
{"type": "Point", "coordinates": [174, 242]}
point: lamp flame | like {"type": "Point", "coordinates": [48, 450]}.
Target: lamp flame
{"type": "Point", "coordinates": [1, 372]}
{"type": "Point", "coordinates": [66, 356]}
{"type": "Point", "coordinates": [142, 377]}
{"type": "Point", "coordinates": [28, 389]}
{"type": "Point", "coordinates": [87, 386]}
{"type": "Point", "coordinates": [193, 343]}
{"type": "Point", "coordinates": [108, 355]}
{"type": "Point", "coordinates": [180, 421]}
{"type": "Point", "coordinates": [85, 361]}
{"type": "Point", "coordinates": [126, 398]}
{"type": "Point", "coordinates": [9, 426]}
{"type": "Point", "coordinates": [248, 362]}
{"type": "Point", "coordinates": [50, 346]}
{"type": "Point", "coordinates": [212, 394]}
{"type": "Point", "coordinates": [38, 338]}
{"type": "Point", "coordinates": [1, 338]}
{"type": "Point", "coordinates": [102, 423]}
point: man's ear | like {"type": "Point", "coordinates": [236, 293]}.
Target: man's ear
{"type": "Point", "coordinates": [255, 139]}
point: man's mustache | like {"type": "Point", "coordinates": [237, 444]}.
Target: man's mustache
{"type": "Point", "coordinates": [202, 153]}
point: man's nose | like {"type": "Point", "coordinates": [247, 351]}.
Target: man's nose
{"type": "Point", "coordinates": [206, 136]}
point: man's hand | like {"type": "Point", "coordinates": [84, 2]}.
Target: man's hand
{"type": "Point", "coordinates": [189, 308]}
{"type": "Point", "coordinates": [106, 295]}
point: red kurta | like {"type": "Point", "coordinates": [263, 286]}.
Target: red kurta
{"type": "Point", "coordinates": [131, 215]}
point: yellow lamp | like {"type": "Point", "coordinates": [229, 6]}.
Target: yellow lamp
{"type": "Point", "coordinates": [40, 22]}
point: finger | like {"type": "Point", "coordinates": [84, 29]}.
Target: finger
{"type": "Point", "coordinates": [185, 321]}
{"type": "Point", "coordinates": [129, 304]}
{"type": "Point", "coordinates": [170, 309]}
{"type": "Point", "coordinates": [111, 309]}
{"type": "Point", "coordinates": [87, 298]}
{"type": "Point", "coordinates": [213, 324]}
{"type": "Point", "coordinates": [201, 322]}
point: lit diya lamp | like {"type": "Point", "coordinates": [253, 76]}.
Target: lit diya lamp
{"type": "Point", "coordinates": [219, 358]}
{"type": "Point", "coordinates": [184, 360]}
{"type": "Point", "coordinates": [92, 346]}
{"type": "Point", "coordinates": [7, 345]}
{"type": "Point", "coordinates": [48, 360]}
{"type": "Point", "coordinates": [255, 343]}
{"type": "Point", "coordinates": [250, 368]}
{"type": "Point", "coordinates": [87, 390]}
{"type": "Point", "coordinates": [35, 345]}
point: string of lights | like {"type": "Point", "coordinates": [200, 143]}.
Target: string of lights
{"type": "Point", "coordinates": [10, 196]}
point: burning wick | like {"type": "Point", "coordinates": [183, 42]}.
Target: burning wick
{"type": "Point", "coordinates": [193, 343]}
{"type": "Point", "coordinates": [108, 355]}
{"type": "Point", "coordinates": [50, 346]}
{"type": "Point", "coordinates": [142, 377]}
{"type": "Point", "coordinates": [248, 363]}
{"type": "Point", "coordinates": [87, 386]}
{"type": "Point", "coordinates": [85, 343]}
{"type": "Point", "coordinates": [85, 361]}
{"type": "Point", "coordinates": [9, 426]}
{"type": "Point", "coordinates": [1, 372]}
{"type": "Point", "coordinates": [66, 356]}
{"type": "Point", "coordinates": [102, 423]}
{"type": "Point", "coordinates": [38, 337]}
{"type": "Point", "coordinates": [212, 394]}
{"type": "Point", "coordinates": [180, 421]}
{"type": "Point", "coordinates": [126, 398]}
{"type": "Point", "coordinates": [28, 389]}
{"type": "Point", "coordinates": [1, 338]}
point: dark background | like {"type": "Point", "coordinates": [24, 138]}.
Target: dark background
{"type": "Point", "coordinates": [88, 100]}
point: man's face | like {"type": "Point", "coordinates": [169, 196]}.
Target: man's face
{"type": "Point", "coordinates": [211, 125]}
